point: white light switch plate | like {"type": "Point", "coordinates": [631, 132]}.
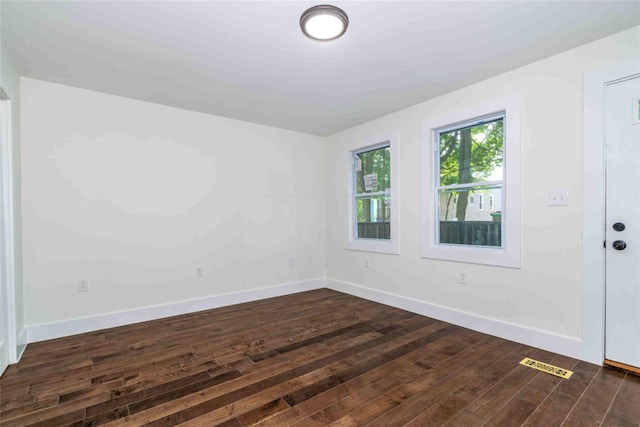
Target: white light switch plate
{"type": "Point", "coordinates": [558, 198]}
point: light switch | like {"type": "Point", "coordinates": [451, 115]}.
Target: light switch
{"type": "Point", "coordinates": [558, 198]}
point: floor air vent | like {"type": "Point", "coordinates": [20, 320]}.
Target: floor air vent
{"type": "Point", "coordinates": [545, 367]}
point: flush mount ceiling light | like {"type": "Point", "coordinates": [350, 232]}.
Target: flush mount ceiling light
{"type": "Point", "coordinates": [324, 22]}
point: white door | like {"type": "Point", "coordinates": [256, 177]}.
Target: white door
{"type": "Point", "coordinates": [622, 139]}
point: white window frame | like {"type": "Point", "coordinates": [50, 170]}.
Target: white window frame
{"type": "Point", "coordinates": [509, 254]}
{"type": "Point", "coordinates": [480, 202]}
{"type": "Point", "coordinates": [385, 246]}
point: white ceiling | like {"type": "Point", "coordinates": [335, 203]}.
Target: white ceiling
{"type": "Point", "coordinates": [249, 60]}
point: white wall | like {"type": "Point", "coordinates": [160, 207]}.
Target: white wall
{"type": "Point", "coordinates": [133, 196]}
{"type": "Point", "coordinates": [545, 293]}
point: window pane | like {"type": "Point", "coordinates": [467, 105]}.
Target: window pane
{"type": "Point", "coordinates": [373, 170]}
{"type": "Point", "coordinates": [373, 217]}
{"type": "Point", "coordinates": [464, 223]}
{"type": "Point", "coordinates": [471, 154]}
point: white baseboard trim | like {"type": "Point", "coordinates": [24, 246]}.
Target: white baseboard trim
{"type": "Point", "coordinates": [4, 357]}
{"type": "Point", "coordinates": [22, 337]}
{"type": "Point", "coordinates": [22, 344]}
{"type": "Point", "coordinates": [47, 331]}
{"type": "Point", "coordinates": [560, 344]}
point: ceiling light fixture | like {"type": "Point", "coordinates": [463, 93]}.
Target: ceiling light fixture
{"type": "Point", "coordinates": [324, 22]}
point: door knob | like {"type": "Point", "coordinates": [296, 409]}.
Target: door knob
{"type": "Point", "coordinates": [619, 245]}
{"type": "Point", "coordinates": [618, 226]}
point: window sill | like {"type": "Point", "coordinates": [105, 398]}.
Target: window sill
{"type": "Point", "coordinates": [498, 257]}
{"type": "Point", "coordinates": [373, 245]}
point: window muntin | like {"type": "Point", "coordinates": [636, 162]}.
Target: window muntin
{"type": "Point", "coordinates": [469, 164]}
{"type": "Point", "coordinates": [372, 192]}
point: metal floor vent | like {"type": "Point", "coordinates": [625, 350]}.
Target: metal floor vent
{"type": "Point", "coordinates": [545, 367]}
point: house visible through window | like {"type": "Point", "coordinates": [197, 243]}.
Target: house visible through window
{"type": "Point", "coordinates": [472, 158]}
{"type": "Point", "coordinates": [469, 164]}
{"type": "Point", "coordinates": [372, 193]}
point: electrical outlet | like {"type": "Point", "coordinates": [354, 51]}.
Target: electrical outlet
{"type": "Point", "coordinates": [199, 272]}
{"type": "Point", "coordinates": [462, 278]}
{"type": "Point", "coordinates": [83, 285]}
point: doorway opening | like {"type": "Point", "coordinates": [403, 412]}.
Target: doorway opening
{"type": "Point", "coordinates": [8, 327]}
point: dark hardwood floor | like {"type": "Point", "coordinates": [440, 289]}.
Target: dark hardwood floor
{"type": "Point", "coordinates": [311, 359]}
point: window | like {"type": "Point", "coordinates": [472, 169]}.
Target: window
{"type": "Point", "coordinates": [373, 211]}
{"type": "Point", "coordinates": [468, 158]}
{"type": "Point", "coordinates": [372, 199]}
{"type": "Point", "coordinates": [466, 168]}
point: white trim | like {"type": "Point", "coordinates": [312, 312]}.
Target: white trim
{"type": "Point", "coordinates": [4, 359]}
{"type": "Point", "coordinates": [22, 337]}
{"type": "Point", "coordinates": [22, 343]}
{"type": "Point", "coordinates": [8, 252]}
{"type": "Point", "coordinates": [390, 246]}
{"type": "Point", "coordinates": [560, 344]}
{"type": "Point", "coordinates": [509, 256]}
{"type": "Point", "coordinates": [593, 207]}
{"type": "Point", "coordinates": [530, 336]}
{"type": "Point", "coordinates": [65, 328]}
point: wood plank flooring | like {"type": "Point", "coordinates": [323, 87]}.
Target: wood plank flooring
{"type": "Point", "coordinates": [312, 359]}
